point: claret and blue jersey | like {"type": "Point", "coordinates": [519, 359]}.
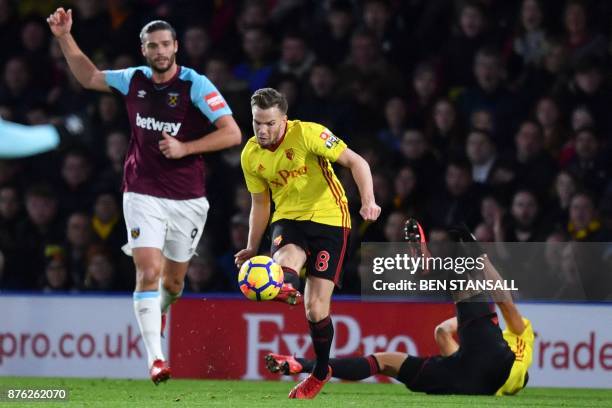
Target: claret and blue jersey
{"type": "Point", "coordinates": [184, 107]}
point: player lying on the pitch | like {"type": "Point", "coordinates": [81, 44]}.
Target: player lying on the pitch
{"type": "Point", "coordinates": [485, 361]}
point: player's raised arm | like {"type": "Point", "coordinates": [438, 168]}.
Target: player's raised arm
{"type": "Point", "coordinates": [88, 75]}
{"type": "Point", "coordinates": [258, 221]}
{"type": "Point", "coordinates": [360, 169]}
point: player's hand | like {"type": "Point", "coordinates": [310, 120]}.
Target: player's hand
{"type": "Point", "coordinates": [243, 255]}
{"type": "Point", "coordinates": [369, 211]}
{"type": "Point", "coordinates": [60, 22]}
{"type": "Point", "coordinates": [171, 148]}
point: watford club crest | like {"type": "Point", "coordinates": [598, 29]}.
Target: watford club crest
{"type": "Point", "coordinates": [135, 232]}
{"type": "Point", "coordinates": [289, 153]}
{"type": "Point", "coordinates": [172, 99]}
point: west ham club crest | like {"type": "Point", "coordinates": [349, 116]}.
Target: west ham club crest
{"type": "Point", "coordinates": [172, 100]}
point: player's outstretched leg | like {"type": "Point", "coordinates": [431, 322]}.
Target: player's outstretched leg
{"type": "Point", "coordinates": [352, 368]}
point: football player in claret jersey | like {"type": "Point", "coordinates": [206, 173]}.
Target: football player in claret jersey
{"type": "Point", "coordinates": [170, 109]}
{"type": "Point", "coordinates": [486, 361]}
{"type": "Point", "coordinates": [291, 161]}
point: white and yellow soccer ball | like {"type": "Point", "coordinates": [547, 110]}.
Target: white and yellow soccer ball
{"type": "Point", "coordinates": [260, 278]}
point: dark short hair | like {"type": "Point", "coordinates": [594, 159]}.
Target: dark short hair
{"type": "Point", "coordinates": [156, 25]}
{"type": "Point", "coordinates": [266, 98]}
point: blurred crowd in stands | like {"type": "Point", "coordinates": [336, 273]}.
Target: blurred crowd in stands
{"type": "Point", "coordinates": [493, 113]}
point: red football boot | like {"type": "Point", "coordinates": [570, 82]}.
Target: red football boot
{"type": "Point", "coordinates": [289, 294]}
{"type": "Point", "coordinates": [286, 365]}
{"type": "Point", "coordinates": [310, 387]}
{"type": "Point", "coordinates": [159, 371]}
{"type": "Point", "coordinates": [414, 234]}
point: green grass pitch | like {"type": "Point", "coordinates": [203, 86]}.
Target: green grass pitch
{"type": "Point", "coordinates": [189, 393]}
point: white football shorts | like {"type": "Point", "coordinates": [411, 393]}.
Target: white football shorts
{"type": "Point", "coordinates": [173, 226]}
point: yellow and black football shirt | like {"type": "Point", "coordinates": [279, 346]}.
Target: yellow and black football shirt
{"type": "Point", "coordinates": [522, 347]}
{"type": "Point", "coordinates": [299, 174]}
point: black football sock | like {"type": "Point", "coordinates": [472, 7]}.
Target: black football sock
{"type": "Point", "coordinates": [351, 368]}
{"type": "Point", "coordinates": [322, 333]}
{"type": "Point", "coordinates": [307, 365]}
{"type": "Point", "coordinates": [291, 276]}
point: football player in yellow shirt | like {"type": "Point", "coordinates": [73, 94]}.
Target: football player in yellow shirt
{"type": "Point", "coordinates": [485, 362]}
{"type": "Point", "coordinates": [290, 161]}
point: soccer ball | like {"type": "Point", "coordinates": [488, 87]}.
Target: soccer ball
{"type": "Point", "coordinates": [260, 278]}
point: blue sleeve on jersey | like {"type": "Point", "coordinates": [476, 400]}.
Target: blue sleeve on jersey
{"type": "Point", "coordinates": [120, 78]}
{"type": "Point", "coordinates": [206, 96]}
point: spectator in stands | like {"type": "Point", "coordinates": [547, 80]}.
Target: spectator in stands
{"type": "Point", "coordinates": [587, 88]}
{"type": "Point", "coordinates": [415, 151]}
{"type": "Point", "coordinates": [490, 93]}
{"type": "Point", "coordinates": [582, 117]}
{"type": "Point", "coordinates": [564, 189]}
{"type": "Point", "coordinates": [195, 46]}
{"type": "Point", "coordinates": [10, 207]}
{"type": "Point", "coordinates": [9, 29]}
{"type": "Point", "coordinates": [256, 67]}
{"type": "Point", "coordinates": [548, 115]}
{"type": "Point", "coordinates": [458, 202]}
{"type": "Point", "coordinates": [41, 227]}
{"type": "Point", "coordinates": [580, 39]}
{"type": "Point", "coordinates": [445, 133]}
{"type": "Point", "coordinates": [591, 164]}
{"type": "Point", "coordinates": [483, 120]}
{"type": "Point", "coordinates": [469, 36]}
{"type": "Point", "coordinates": [531, 165]}
{"type": "Point", "coordinates": [524, 224]}
{"type": "Point", "coordinates": [379, 18]}
{"type": "Point", "coordinates": [34, 44]}
{"type": "Point", "coordinates": [491, 212]}
{"type": "Point", "coordinates": [296, 58]}
{"type": "Point", "coordinates": [396, 119]}
{"type": "Point", "coordinates": [235, 91]}
{"type": "Point", "coordinates": [394, 226]}
{"type": "Point", "coordinates": [100, 275]}
{"type": "Point", "coordinates": [331, 40]}
{"type": "Point", "coordinates": [107, 222]}
{"type": "Point", "coordinates": [201, 274]}
{"type": "Point", "coordinates": [251, 14]}
{"type": "Point", "coordinates": [56, 277]}
{"type": "Point", "coordinates": [290, 86]}
{"type": "Point", "coordinates": [116, 148]}
{"type": "Point", "coordinates": [91, 24]}
{"type": "Point", "coordinates": [76, 187]}
{"type": "Point", "coordinates": [79, 237]}
{"type": "Point", "coordinates": [584, 223]}
{"type": "Point", "coordinates": [321, 103]}
{"type": "Point", "coordinates": [529, 42]}
{"type": "Point", "coordinates": [239, 229]}
{"type": "Point", "coordinates": [366, 65]}
{"type": "Point", "coordinates": [108, 117]}
{"type": "Point", "coordinates": [481, 153]}
{"type": "Point", "coordinates": [425, 88]}
{"type": "Point", "coordinates": [10, 211]}
{"type": "Point", "coordinates": [408, 196]}
{"type": "Point", "coordinates": [17, 90]}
